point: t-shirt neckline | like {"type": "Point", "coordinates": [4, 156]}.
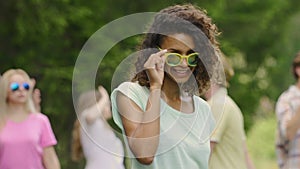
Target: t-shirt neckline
{"type": "Point", "coordinates": [20, 122]}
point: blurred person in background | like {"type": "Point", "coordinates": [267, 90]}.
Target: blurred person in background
{"type": "Point", "coordinates": [36, 96]}
{"type": "Point", "coordinates": [26, 136]}
{"type": "Point", "coordinates": [93, 138]}
{"type": "Point", "coordinates": [228, 141]}
{"type": "Point", "coordinates": [288, 122]}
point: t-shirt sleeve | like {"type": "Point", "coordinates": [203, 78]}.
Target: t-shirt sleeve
{"type": "Point", "coordinates": [207, 119]}
{"type": "Point", "coordinates": [47, 135]}
{"type": "Point", "coordinates": [135, 92]}
{"type": "Point", "coordinates": [220, 127]}
{"type": "Point", "coordinates": [212, 121]}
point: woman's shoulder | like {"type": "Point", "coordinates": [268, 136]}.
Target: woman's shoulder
{"type": "Point", "coordinates": [39, 116]}
{"type": "Point", "coordinates": [126, 85]}
{"type": "Point", "coordinates": [288, 94]}
{"type": "Point", "coordinates": [201, 104]}
{"type": "Point", "coordinates": [134, 91]}
{"type": "Point", "coordinates": [131, 87]}
{"type": "Point", "coordinates": [200, 101]}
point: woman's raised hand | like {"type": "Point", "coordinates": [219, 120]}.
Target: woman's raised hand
{"type": "Point", "coordinates": [104, 95]}
{"type": "Point", "coordinates": [155, 69]}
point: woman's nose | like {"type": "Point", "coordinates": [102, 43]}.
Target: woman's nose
{"type": "Point", "coordinates": [184, 62]}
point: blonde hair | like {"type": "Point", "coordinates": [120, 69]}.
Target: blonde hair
{"type": "Point", "coordinates": [4, 84]}
{"type": "Point", "coordinates": [86, 100]}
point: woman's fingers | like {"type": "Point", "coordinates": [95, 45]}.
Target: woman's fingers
{"type": "Point", "coordinates": [156, 60]}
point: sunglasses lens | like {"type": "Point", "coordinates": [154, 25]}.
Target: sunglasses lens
{"type": "Point", "coordinates": [14, 86]}
{"type": "Point", "coordinates": [192, 59]}
{"type": "Point", "coordinates": [173, 59]}
{"type": "Point", "coordinates": [26, 86]}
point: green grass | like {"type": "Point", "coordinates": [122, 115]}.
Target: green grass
{"type": "Point", "coordinates": [261, 143]}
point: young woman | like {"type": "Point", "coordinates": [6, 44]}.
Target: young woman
{"type": "Point", "coordinates": [164, 122]}
{"type": "Point", "coordinates": [26, 136]}
{"type": "Point", "coordinates": [93, 138]}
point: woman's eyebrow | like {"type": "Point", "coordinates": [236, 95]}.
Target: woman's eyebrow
{"type": "Point", "coordinates": [191, 51]}
{"type": "Point", "coordinates": [180, 52]}
{"type": "Point", "coordinates": [173, 50]}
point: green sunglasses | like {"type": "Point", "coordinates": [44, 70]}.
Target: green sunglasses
{"type": "Point", "coordinates": [174, 59]}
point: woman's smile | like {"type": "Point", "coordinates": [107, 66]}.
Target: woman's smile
{"type": "Point", "coordinates": [180, 73]}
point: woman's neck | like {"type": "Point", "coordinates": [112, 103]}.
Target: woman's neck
{"type": "Point", "coordinates": [15, 108]}
{"type": "Point", "coordinates": [171, 90]}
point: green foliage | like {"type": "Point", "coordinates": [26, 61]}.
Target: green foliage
{"type": "Point", "coordinates": [46, 37]}
{"type": "Point", "coordinates": [261, 143]}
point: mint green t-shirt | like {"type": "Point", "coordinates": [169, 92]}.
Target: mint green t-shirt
{"type": "Point", "coordinates": [184, 138]}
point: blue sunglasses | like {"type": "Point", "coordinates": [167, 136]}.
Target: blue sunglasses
{"type": "Point", "coordinates": [16, 86]}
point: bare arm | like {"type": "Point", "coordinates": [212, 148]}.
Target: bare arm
{"type": "Point", "coordinates": [100, 109]}
{"type": "Point", "coordinates": [50, 159]}
{"type": "Point", "coordinates": [212, 147]}
{"type": "Point", "coordinates": [142, 127]}
{"type": "Point", "coordinates": [289, 120]}
{"type": "Point", "coordinates": [36, 96]}
{"type": "Point", "coordinates": [293, 125]}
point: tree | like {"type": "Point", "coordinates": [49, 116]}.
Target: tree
{"type": "Point", "coordinates": [46, 37]}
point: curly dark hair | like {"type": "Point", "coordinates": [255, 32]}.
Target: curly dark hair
{"type": "Point", "coordinates": [191, 20]}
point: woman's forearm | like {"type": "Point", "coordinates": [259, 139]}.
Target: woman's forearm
{"type": "Point", "coordinates": [143, 130]}
{"type": "Point", "coordinates": [293, 126]}
{"type": "Point", "coordinates": [50, 159]}
{"type": "Point", "coordinates": [149, 128]}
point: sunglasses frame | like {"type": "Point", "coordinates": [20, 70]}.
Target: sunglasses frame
{"type": "Point", "coordinates": [181, 58]}
{"type": "Point", "coordinates": [14, 86]}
